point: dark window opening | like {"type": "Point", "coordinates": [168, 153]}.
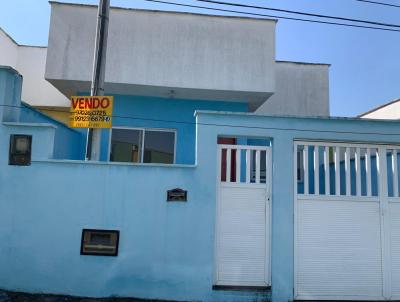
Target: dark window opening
{"type": "Point", "coordinates": [142, 146]}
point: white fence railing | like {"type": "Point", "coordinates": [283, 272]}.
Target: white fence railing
{"type": "Point", "coordinates": [242, 164]}
{"type": "Point", "coordinates": [338, 169]}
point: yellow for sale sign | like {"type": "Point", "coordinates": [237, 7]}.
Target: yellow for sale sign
{"type": "Point", "coordinates": [91, 111]}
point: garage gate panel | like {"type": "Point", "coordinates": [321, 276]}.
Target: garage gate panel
{"type": "Point", "coordinates": [347, 221]}
{"type": "Point", "coordinates": [339, 252]}
{"type": "Point", "coordinates": [394, 212]}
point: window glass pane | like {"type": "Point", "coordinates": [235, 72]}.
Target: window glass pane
{"type": "Point", "coordinates": [126, 145]}
{"type": "Point", "coordinates": [159, 147]}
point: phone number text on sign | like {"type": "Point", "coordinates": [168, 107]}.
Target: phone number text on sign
{"type": "Point", "coordinates": [91, 111]}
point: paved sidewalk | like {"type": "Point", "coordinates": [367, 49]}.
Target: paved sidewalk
{"type": "Point", "coordinates": [23, 297]}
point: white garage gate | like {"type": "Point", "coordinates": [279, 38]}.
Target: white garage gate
{"type": "Point", "coordinates": [243, 216]}
{"type": "Point", "coordinates": [347, 221]}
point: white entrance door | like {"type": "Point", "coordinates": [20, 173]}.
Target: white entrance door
{"type": "Point", "coordinates": [243, 216]}
{"type": "Point", "coordinates": [347, 222]}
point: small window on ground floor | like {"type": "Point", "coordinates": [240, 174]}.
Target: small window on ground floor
{"type": "Point", "coordinates": [142, 146]}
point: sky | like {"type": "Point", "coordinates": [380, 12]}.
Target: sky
{"type": "Point", "coordinates": [365, 63]}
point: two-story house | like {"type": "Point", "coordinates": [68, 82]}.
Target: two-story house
{"type": "Point", "coordinates": [223, 178]}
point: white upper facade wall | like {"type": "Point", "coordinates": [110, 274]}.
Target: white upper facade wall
{"type": "Point", "coordinates": [302, 89]}
{"type": "Point", "coordinates": [30, 62]}
{"type": "Point", "coordinates": [153, 52]}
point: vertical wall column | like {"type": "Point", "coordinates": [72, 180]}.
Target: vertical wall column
{"type": "Point", "coordinates": [282, 220]}
{"type": "Point", "coordinates": [10, 94]}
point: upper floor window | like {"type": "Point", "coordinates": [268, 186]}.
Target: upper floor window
{"type": "Point", "coordinates": [143, 145]}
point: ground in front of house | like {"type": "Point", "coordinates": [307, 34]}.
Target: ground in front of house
{"type": "Point", "coordinates": [6, 296]}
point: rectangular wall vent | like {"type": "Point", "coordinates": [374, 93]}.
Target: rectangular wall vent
{"type": "Point", "coordinates": [99, 242]}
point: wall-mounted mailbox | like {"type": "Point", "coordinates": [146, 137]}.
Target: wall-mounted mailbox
{"type": "Point", "coordinates": [177, 195]}
{"type": "Point", "coordinates": [20, 150]}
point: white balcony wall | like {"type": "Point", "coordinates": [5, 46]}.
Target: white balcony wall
{"type": "Point", "coordinates": [165, 54]}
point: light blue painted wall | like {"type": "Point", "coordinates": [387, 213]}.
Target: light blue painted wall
{"type": "Point", "coordinates": [152, 112]}
{"type": "Point", "coordinates": [10, 94]}
{"type": "Point", "coordinates": [42, 145]}
{"type": "Point", "coordinates": [281, 132]}
{"type": "Point", "coordinates": [166, 249]}
{"type": "Point", "coordinates": [68, 143]}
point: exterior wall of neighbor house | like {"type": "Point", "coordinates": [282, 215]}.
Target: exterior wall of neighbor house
{"type": "Point", "coordinates": [8, 50]}
{"type": "Point", "coordinates": [61, 114]}
{"type": "Point", "coordinates": [68, 143]}
{"type": "Point", "coordinates": [302, 89]}
{"type": "Point", "coordinates": [175, 114]}
{"type": "Point", "coordinates": [30, 62]}
{"type": "Point", "coordinates": [64, 143]}
{"type": "Point", "coordinates": [386, 112]}
{"type": "Point", "coordinates": [37, 91]}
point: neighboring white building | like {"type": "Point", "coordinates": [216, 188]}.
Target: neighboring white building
{"type": "Point", "coordinates": [30, 62]}
{"type": "Point", "coordinates": [388, 111]}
